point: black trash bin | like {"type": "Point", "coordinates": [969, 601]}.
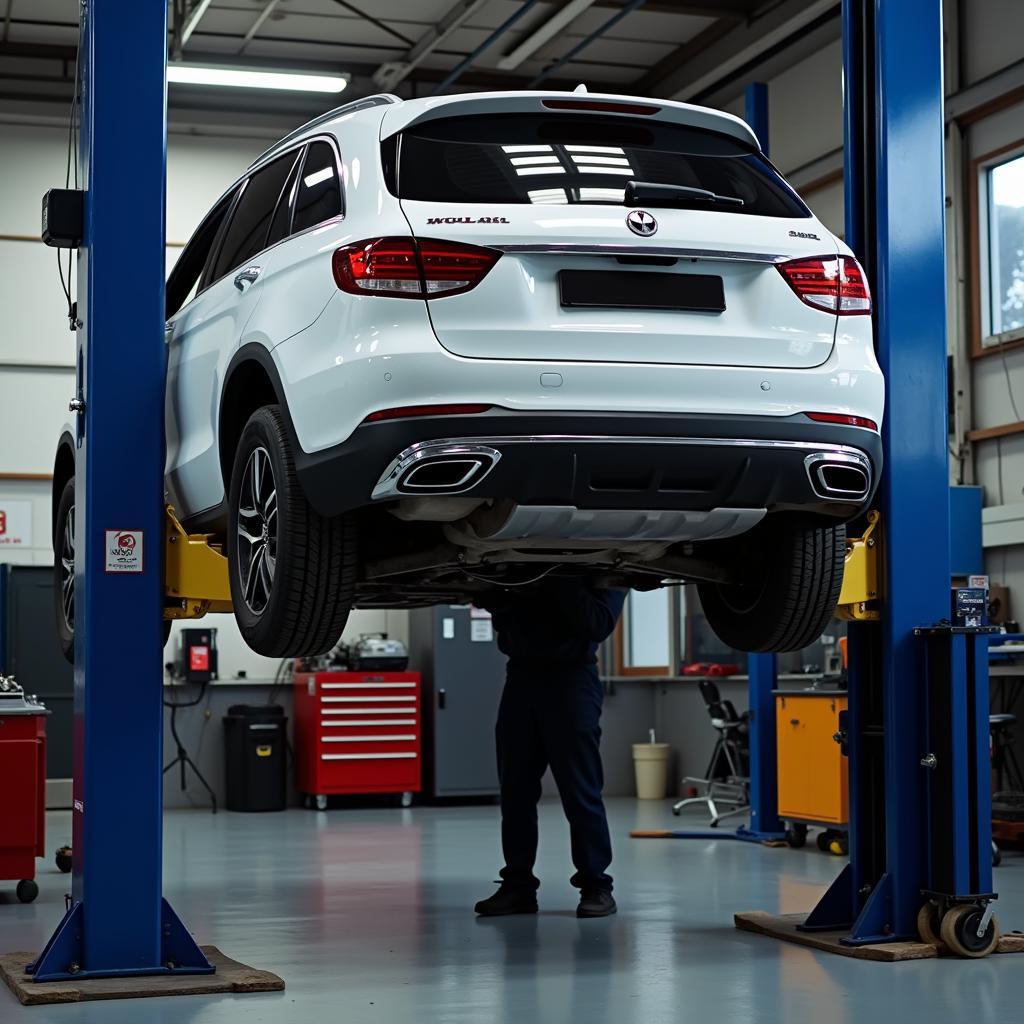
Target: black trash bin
{"type": "Point", "coordinates": [255, 757]}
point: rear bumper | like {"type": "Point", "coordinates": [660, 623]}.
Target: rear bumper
{"type": "Point", "coordinates": [600, 461]}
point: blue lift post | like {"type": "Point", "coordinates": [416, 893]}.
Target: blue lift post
{"type": "Point", "coordinates": [762, 669]}
{"type": "Point", "coordinates": [118, 923]}
{"type": "Point", "coordinates": [892, 55]}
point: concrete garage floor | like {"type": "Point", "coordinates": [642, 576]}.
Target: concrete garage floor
{"type": "Point", "coordinates": [368, 916]}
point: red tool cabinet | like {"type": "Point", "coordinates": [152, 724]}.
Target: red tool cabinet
{"type": "Point", "coordinates": [357, 732]}
{"type": "Point", "coordinates": [22, 796]}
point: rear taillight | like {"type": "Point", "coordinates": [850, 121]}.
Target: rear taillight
{"type": "Point", "coordinates": [833, 283]}
{"type": "Point", "coordinates": [411, 268]}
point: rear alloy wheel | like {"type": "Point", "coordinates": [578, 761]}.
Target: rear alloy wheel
{"type": "Point", "coordinates": [64, 570]}
{"type": "Point", "coordinates": [794, 568]}
{"type": "Point", "coordinates": [292, 571]}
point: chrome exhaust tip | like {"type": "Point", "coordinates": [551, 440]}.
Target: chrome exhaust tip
{"type": "Point", "coordinates": [839, 477]}
{"type": "Point", "coordinates": [436, 467]}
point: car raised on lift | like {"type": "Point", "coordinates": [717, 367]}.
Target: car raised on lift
{"type": "Point", "coordinates": [426, 348]}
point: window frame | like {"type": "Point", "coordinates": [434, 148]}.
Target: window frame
{"type": "Point", "coordinates": [238, 187]}
{"type": "Point", "coordinates": [983, 342]}
{"type": "Point", "coordinates": [677, 638]}
{"type": "Point", "coordinates": [338, 170]}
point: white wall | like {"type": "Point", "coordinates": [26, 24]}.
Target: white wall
{"type": "Point", "coordinates": [37, 351]}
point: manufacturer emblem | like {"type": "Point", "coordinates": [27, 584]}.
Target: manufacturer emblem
{"type": "Point", "coordinates": [640, 222]}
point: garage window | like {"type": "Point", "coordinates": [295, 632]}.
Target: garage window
{"type": "Point", "coordinates": [1001, 194]}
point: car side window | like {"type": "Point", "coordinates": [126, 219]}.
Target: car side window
{"type": "Point", "coordinates": [281, 225]}
{"type": "Point", "coordinates": [246, 234]}
{"type": "Point", "coordinates": [184, 278]}
{"type": "Point", "coordinates": [319, 192]}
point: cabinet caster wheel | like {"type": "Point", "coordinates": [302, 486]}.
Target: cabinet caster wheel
{"type": "Point", "coordinates": [840, 845]}
{"type": "Point", "coordinates": [321, 802]}
{"type": "Point", "coordinates": [27, 890]}
{"type": "Point", "coordinates": [824, 841]}
{"type": "Point", "coordinates": [959, 931]}
{"type": "Point", "coordinates": [63, 859]}
{"type": "Point", "coordinates": [796, 836]}
{"type": "Point", "coordinates": [407, 799]}
{"type": "Point", "coordinates": [928, 925]}
{"type": "Point", "coordinates": [997, 856]}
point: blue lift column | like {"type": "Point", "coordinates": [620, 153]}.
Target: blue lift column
{"type": "Point", "coordinates": [893, 86]}
{"type": "Point", "coordinates": [762, 669]}
{"type": "Point", "coordinates": [118, 923]}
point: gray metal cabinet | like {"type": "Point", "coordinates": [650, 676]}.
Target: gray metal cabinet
{"type": "Point", "coordinates": [462, 682]}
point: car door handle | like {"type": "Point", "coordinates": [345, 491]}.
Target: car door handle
{"type": "Point", "coordinates": [247, 277]}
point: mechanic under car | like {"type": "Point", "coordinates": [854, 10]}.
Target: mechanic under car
{"type": "Point", "coordinates": [550, 715]}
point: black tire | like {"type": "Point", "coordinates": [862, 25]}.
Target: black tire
{"type": "Point", "coordinates": [64, 570]}
{"type": "Point", "coordinates": [27, 890]}
{"type": "Point", "coordinates": [796, 835]}
{"type": "Point", "coordinates": [63, 860]}
{"type": "Point", "coordinates": [795, 575]}
{"type": "Point", "coordinates": [294, 599]}
{"type": "Point", "coordinates": [824, 841]}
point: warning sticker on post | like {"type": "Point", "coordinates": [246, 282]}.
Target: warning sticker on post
{"type": "Point", "coordinates": [124, 551]}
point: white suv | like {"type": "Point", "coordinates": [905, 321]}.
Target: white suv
{"type": "Point", "coordinates": [426, 348]}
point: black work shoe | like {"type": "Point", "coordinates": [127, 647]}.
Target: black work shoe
{"type": "Point", "coordinates": [508, 900]}
{"type": "Point", "coordinates": [596, 903]}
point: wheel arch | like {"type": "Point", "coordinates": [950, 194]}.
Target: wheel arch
{"type": "Point", "coordinates": [251, 382]}
{"type": "Point", "coordinates": [63, 471]}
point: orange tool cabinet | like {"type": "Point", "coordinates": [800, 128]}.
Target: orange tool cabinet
{"type": "Point", "coordinates": [357, 732]}
{"type": "Point", "coordinates": [813, 773]}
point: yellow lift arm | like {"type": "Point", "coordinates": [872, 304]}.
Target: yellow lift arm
{"type": "Point", "coordinates": [195, 573]}
{"type": "Point", "coordinates": [858, 600]}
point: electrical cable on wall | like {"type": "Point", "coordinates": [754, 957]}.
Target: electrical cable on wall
{"type": "Point", "coordinates": [72, 161]}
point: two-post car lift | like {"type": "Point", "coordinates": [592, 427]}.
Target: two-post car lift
{"type": "Point", "coordinates": [917, 729]}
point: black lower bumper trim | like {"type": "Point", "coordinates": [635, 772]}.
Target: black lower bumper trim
{"type": "Point", "coordinates": [627, 461]}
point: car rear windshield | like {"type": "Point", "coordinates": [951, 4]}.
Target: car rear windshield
{"type": "Point", "coordinates": [560, 159]}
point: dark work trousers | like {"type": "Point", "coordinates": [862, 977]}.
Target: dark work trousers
{"type": "Point", "coordinates": [552, 717]}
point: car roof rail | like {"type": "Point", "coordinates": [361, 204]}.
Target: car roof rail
{"type": "Point", "coordinates": [346, 108]}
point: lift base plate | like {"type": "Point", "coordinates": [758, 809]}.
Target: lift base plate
{"type": "Point", "coordinates": [231, 977]}
{"type": "Point", "coordinates": [784, 926]}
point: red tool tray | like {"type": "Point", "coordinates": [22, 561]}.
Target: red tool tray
{"type": "Point", "coordinates": [358, 732]}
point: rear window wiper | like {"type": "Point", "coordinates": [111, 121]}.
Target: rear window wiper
{"type": "Point", "coordinates": [653, 193]}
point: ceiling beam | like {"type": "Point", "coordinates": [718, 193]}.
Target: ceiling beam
{"type": "Point", "coordinates": [193, 19]}
{"type": "Point", "coordinates": [732, 10]}
{"type": "Point", "coordinates": [387, 29]}
{"type": "Point", "coordinates": [390, 73]}
{"type": "Point", "coordinates": [740, 46]}
{"type": "Point", "coordinates": [268, 9]}
{"type": "Point", "coordinates": [680, 57]}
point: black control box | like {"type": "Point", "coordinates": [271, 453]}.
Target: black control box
{"type": "Point", "coordinates": [63, 218]}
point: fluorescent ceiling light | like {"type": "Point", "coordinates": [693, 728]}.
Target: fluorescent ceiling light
{"type": "Point", "coordinates": [548, 195]}
{"type": "Point", "coordinates": [529, 46]}
{"type": "Point", "coordinates": [590, 158]}
{"type": "Point", "coordinates": [605, 170]}
{"type": "Point", "coordinates": [518, 161]}
{"type": "Point", "coordinates": [526, 149]}
{"type": "Point", "coordinates": [243, 78]}
{"type": "Point", "coordinates": [317, 177]}
{"type": "Point", "coordinates": [546, 170]}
